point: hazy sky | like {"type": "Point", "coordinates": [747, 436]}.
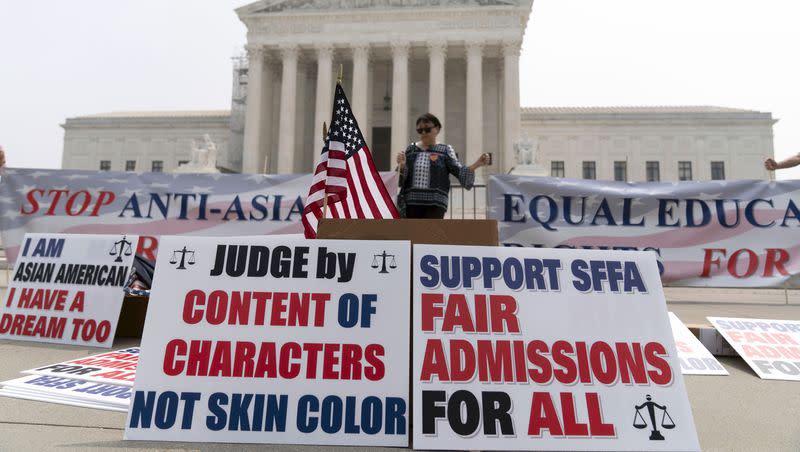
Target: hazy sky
{"type": "Point", "coordinates": [61, 59]}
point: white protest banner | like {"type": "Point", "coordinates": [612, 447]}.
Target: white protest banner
{"type": "Point", "coordinates": [720, 233]}
{"type": "Point", "coordinates": [68, 389]}
{"type": "Point", "coordinates": [67, 289]}
{"type": "Point", "coordinates": [770, 347]}
{"type": "Point", "coordinates": [543, 349]}
{"type": "Point", "coordinates": [117, 367]}
{"type": "Point", "coordinates": [272, 340]}
{"type": "Point", "coordinates": [152, 204]}
{"type": "Point", "coordinates": [694, 357]}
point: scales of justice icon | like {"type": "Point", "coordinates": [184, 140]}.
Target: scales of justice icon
{"type": "Point", "coordinates": [383, 256]}
{"type": "Point", "coordinates": [666, 420]}
{"type": "Point", "coordinates": [121, 248]}
{"type": "Point", "coordinates": [183, 252]}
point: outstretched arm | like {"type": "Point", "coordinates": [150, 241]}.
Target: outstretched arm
{"type": "Point", "coordinates": [483, 160]}
{"type": "Point", "coordinates": [790, 162]}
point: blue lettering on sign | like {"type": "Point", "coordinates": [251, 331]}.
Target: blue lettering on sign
{"type": "Point", "coordinates": [247, 412]}
{"type": "Point", "coordinates": [470, 272]}
{"type": "Point", "coordinates": [593, 275]}
{"type": "Point", "coordinates": [550, 212]}
{"type": "Point", "coordinates": [162, 411]}
{"type": "Point", "coordinates": [333, 414]}
{"type": "Point", "coordinates": [194, 207]}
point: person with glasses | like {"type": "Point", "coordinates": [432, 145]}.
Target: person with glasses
{"type": "Point", "coordinates": [425, 168]}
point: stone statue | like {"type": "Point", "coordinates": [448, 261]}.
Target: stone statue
{"type": "Point", "coordinates": [526, 157]}
{"type": "Point", "coordinates": [525, 150]}
{"type": "Point", "coordinates": [211, 148]}
{"type": "Point", "coordinates": [203, 159]}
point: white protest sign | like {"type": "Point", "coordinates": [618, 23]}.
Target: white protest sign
{"type": "Point", "coordinates": [544, 349]}
{"type": "Point", "coordinates": [117, 367]}
{"type": "Point", "coordinates": [67, 289]}
{"type": "Point", "coordinates": [770, 347]}
{"type": "Point", "coordinates": [69, 389]}
{"type": "Point", "coordinates": [273, 340]}
{"type": "Point", "coordinates": [25, 395]}
{"type": "Point", "coordinates": [694, 357]}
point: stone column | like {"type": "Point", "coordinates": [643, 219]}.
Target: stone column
{"type": "Point", "coordinates": [286, 131]}
{"type": "Point", "coordinates": [511, 107]}
{"type": "Point", "coordinates": [324, 94]}
{"type": "Point", "coordinates": [437, 52]}
{"type": "Point", "coordinates": [255, 109]}
{"type": "Point", "coordinates": [268, 77]}
{"type": "Point", "coordinates": [400, 131]}
{"type": "Point", "coordinates": [474, 102]}
{"type": "Point", "coordinates": [360, 83]}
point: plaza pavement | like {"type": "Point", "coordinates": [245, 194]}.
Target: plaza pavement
{"type": "Point", "coordinates": [740, 412]}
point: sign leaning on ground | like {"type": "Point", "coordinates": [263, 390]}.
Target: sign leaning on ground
{"type": "Point", "coordinates": [770, 347]}
{"type": "Point", "coordinates": [68, 391]}
{"type": "Point", "coordinates": [705, 234]}
{"type": "Point", "coordinates": [117, 367]}
{"type": "Point", "coordinates": [67, 289]}
{"type": "Point", "coordinates": [521, 349]}
{"type": "Point", "coordinates": [694, 357]}
{"type": "Point", "coordinates": [275, 340]}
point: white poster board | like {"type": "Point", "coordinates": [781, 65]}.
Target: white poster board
{"type": "Point", "coordinates": [117, 367]}
{"type": "Point", "coordinates": [770, 347]}
{"type": "Point", "coordinates": [68, 390]}
{"type": "Point", "coordinates": [544, 349]}
{"type": "Point", "coordinates": [273, 340]}
{"type": "Point", "coordinates": [694, 357]}
{"type": "Point", "coordinates": [67, 289]}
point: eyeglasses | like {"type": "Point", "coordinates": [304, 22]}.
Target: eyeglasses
{"type": "Point", "coordinates": [422, 130]}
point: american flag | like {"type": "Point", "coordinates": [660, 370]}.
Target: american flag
{"type": "Point", "coordinates": [346, 174]}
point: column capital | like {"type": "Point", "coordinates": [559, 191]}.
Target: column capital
{"type": "Point", "coordinates": [360, 49]}
{"type": "Point", "coordinates": [255, 52]}
{"type": "Point", "coordinates": [437, 48]}
{"type": "Point", "coordinates": [289, 51]}
{"type": "Point", "coordinates": [511, 48]}
{"type": "Point", "coordinates": [400, 49]}
{"type": "Point", "coordinates": [474, 48]}
{"type": "Point", "coordinates": [324, 50]}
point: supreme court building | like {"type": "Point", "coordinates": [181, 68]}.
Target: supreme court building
{"type": "Point", "coordinates": [458, 59]}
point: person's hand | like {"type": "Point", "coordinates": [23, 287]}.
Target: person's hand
{"type": "Point", "coordinates": [483, 160]}
{"type": "Point", "coordinates": [401, 160]}
{"type": "Point", "coordinates": [2, 157]}
{"type": "Point", "coordinates": [770, 164]}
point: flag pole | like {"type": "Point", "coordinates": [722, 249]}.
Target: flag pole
{"type": "Point", "coordinates": [325, 199]}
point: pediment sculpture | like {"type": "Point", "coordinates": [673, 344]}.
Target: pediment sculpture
{"type": "Point", "coordinates": [525, 150]}
{"type": "Point", "coordinates": [203, 157]}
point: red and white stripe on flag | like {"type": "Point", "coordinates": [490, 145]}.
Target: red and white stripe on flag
{"type": "Point", "coordinates": [353, 185]}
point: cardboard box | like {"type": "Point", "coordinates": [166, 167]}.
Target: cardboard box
{"type": "Point", "coordinates": [712, 340]}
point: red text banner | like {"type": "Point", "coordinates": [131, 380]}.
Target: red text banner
{"type": "Point", "coordinates": [67, 289]}
{"type": "Point", "coordinates": [721, 233]}
{"type": "Point", "coordinates": [275, 340]}
{"type": "Point", "coordinates": [151, 204]}
{"type": "Point", "coordinates": [522, 349]}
